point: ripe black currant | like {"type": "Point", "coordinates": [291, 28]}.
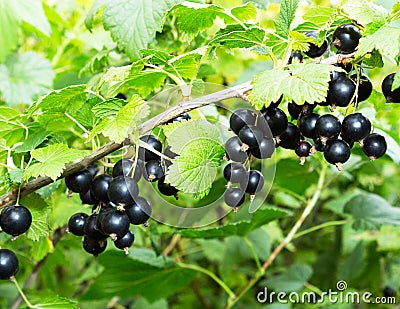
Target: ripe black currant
{"type": "Point", "coordinates": [265, 149]}
{"type": "Point", "coordinates": [374, 146]}
{"type": "Point", "coordinates": [100, 186]}
{"type": "Point", "coordinates": [124, 167]}
{"type": "Point", "coordinates": [253, 183]}
{"type": "Point", "coordinates": [318, 146]}
{"type": "Point", "coordinates": [234, 197]}
{"type": "Point", "coordinates": [346, 38]}
{"type": "Point", "coordinates": [15, 219]}
{"type": "Point", "coordinates": [140, 212]}
{"type": "Point", "coordinates": [316, 51]}
{"type": "Point", "coordinates": [88, 198]}
{"type": "Point", "coordinates": [307, 125]}
{"type": "Point", "coordinates": [147, 155]}
{"type": "Point", "coordinates": [166, 188]}
{"type": "Point", "coordinates": [234, 150]}
{"type": "Point", "coordinates": [79, 182]}
{"type": "Point", "coordinates": [123, 190]}
{"type": "Point", "coordinates": [276, 119]}
{"type": "Point", "coordinates": [93, 246]}
{"type": "Point", "coordinates": [290, 138]}
{"type": "Point", "coordinates": [392, 96]}
{"type": "Point", "coordinates": [115, 223]}
{"type": "Point", "coordinates": [240, 118]}
{"type": "Point", "coordinates": [76, 223]}
{"type": "Point", "coordinates": [341, 91]}
{"type": "Point", "coordinates": [364, 87]}
{"type": "Point", "coordinates": [295, 57]}
{"type": "Point", "coordinates": [303, 150]}
{"type": "Point", "coordinates": [8, 264]}
{"type": "Point", "coordinates": [125, 242]}
{"type": "Point", "coordinates": [355, 127]}
{"type": "Point", "coordinates": [389, 292]}
{"type": "Point", "coordinates": [91, 230]}
{"type": "Point", "coordinates": [153, 171]}
{"type": "Point", "coordinates": [251, 136]}
{"type": "Point", "coordinates": [337, 152]}
{"type": "Point", "coordinates": [234, 172]}
{"type": "Point", "coordinates": [93, 169]}
{"type": "Point", "coordinates": [327, 127]}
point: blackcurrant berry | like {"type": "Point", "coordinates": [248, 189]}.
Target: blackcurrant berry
{"type": "Point", "coordinates": [307, 125]}
{"type": "Point", "coordinates": [124, 167]}
{"type": "Point", "coordinates": [276, 119]}
{"type": "Point", "coordinates": [364, 87]}
{"type": "Point", "coordinates": [125, 242]}
{"type": "Point", "coordinates": [265, 149]}
{"type": "Point", "coordinates": [374, 146]}
{"type": "Point", "coordinates": [303, 150]}
{"type": "Point", "coordinates": [290, 138]}
{"type": "Point", "coordinates": [253, 183]}
{"type": "Point", "coordinates": [251, 136]}
{"type": "Point", "coordinates": [91, 230]}
{"type": "Point", "coordinates": [295, 57]}
{"type": "Point", "coordinates": [355, 127]}
{"type": "Point", "coordinates": [15, 219]}
{"type": "Point", "coordinates": [79, 182]}
{"type": "Point", "coordinates": [123, 190]}
{"type": "Point", "coordinates": [392, 96]}
{"type": "Point", "coordinates": [100, 186]}
{"type": "Point", "coordinates": [327, 127]}
{"type": "Point", "coordinates": [234, 172]}
{"type": "Point", "coordinates": [76, 223]}
{"type": "Point", "coordinates": [8, 264]}
{"type": "Point", "coordinates": [93, 169]}
{"type": "Point", "coordinates": [153, 171]}
{"type": "Point", "coordinates": [337, 152]}
{"type": "Point", "coordinates": [180, 118]}
{"type": "Point", "coordinates": [88, 198]}
{"type": "Point", "coordinates": [389, 292]}
{"type": "Point", "coordinates": [166, 188]}
{"type": "Point", "coordinates": [346, 38]}
{"type": "Point", "coordinates": [234, 150]}
{"type": "Point", "coordinates": [318, 146]}
{"type": "Point", "coordinates": [234, 197]}
{"type": "Point", "coordinates": [94, 247]}
{"type": "Point", "coordinates": [341, 91]}
{"type": "Point", "coordinates": [140, 212]}
{"type": "Point", "coordinates": [147, 155]}
{"type": "Point", "coordinates": [240, 118]}
{"type": "Point", "coordinates": [121, 96]}
{"type": "Point", "coordinates": [115, 223]}
{"type": "Point", "coordinates": [315, 51]}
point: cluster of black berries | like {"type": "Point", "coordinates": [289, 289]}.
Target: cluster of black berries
{"type": "Point", "coordinates": [253, 140]}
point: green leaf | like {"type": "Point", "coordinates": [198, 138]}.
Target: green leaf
{"type": "Point", "coordinates": [11, 128]}
{"type": "Point", "coordinates": [52, 302]}
{"type": "Point", "coordinates": [319, 16]}
{"type": "Point", "coordinates": [146, 81]}
{"type": "Point", "coordinates": [261, 4]}
{"type": "Point", "coordinates": [30, 72]}
{"type": "Point", "coordinates": [40, 216]}
{"type": "Point", "coordinates": [239, 228]}
{"type": "Point", "coordinates": [52, 160]}
{"type": "Point", "coordinates": [396, 81]}
{"type": "Point", "coordinates": [43, 246]}
{"type": "Point", "coordinates": [33, 140]}
{"type": "Point", "coordinates": [292, 280]}
{"type": "Point", "coordinates": [143, 274]}
{"type": "Point", "coordinates": [364, 12]}
{"type": "Point", "coordinates": [97, 63]}
{"type": "Point", "coordinates": [354, 264]}
{"type": "Point", "coordinates": [370, 211]}
{"type": "Point", "coordinates": [107, 108]}
{"type": "Point", "coordinates": [285, 17]}
{"type": "Point", "coordinates": [133, 24]}
{"type": "Point", "coordinates": [16, 175]}
{"type": "Point", "coordinates": [235, 36]}
{"type": "Point", "coordinates": [186, 66]}
{"type": "Point", "coordinates": [385, 40]}
{"type": "Point", "coordinates": [300, 41]}
{"type": "Point", "coordinates": [97, 5]}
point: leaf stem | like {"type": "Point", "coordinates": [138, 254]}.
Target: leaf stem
{"type": "Point", "coordinates": [77, 123]}
{"type": "Point", "coordinates": [22, 293]}
{"type": "Point", "coordinates": [253, 252]}
{"type": "Point", "coordinates": [320, 227]}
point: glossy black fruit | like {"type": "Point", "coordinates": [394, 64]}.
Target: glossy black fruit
{"type": "Point", "coordinates": [166, 188]}
{"type": "Point", "coordinates": [327, 127]}
{"type": "Point", "coordinates": [253, 183]}
{"type": "Point", "coordinates": [355, 127]}
{"type": "Point", "coordinates": [265, 149]}
{"type": "Point", "coordinates": [251, 136]}
{"type": "Point", "coordinates": [316, 51]}
{"type": "Point", "coordinates": [125, 242]}
{"type": "Point", "coordinates": [153, 171]}
{"type": "Point", "coordinates": [120, 96]}
{"type": "Point", "coordinates": [147, 155]}
{"type": "Point", "coordinates": [337, 152]}
{"type": "Point", "coordinates": [79, 182]}
{"type": "Point", "coordinates": [91, 230]}
{"type": "Point", "coordinates": [374, 146]}
{"type": "Point", "coordinates": [341, 91]}
{"type": "Point", "coordinates": [276, 119]}
{"type": "Point", "coordinates": [100, 186]}
{"type": "Point", "coordinates": [303, 150]}
{"type": "Point", "coordinates": [140, 212]}
{"type": "Point", "coordinates": [234, 150]}
{"type": "Point", "coordinates": [234, 172]}
{"type": "Point", "coordinates": [8, 264]}
{"type": "Point", "coordinates": [318, 146]}
{"type": "Point", "coordinates": [295, 57]}
{"type": "Point", "coordinates": [115, 223]}
{"type": "Point", "coordinates": [307, 125]}
{"type": "Point", "coordinates": [15, 219]}
{"type": "Point", "coordinates": [123, 190]}
{"type": "Point", "coordinates": [234, 197]}
{"type": "Point", "coordinates": [88, 198]}
{"type": "Point", "coordinates": [290, 138]}
{"type": "Point", "coordinates": [180, 118]}
{"type": "Point", "coordinates": [346, 38]}
{"type": "Point", "coordinates": [364, 87]}
{"type": "Point", "coordinates": [93, 246]}
{"type": "Point", "coordinates": [392, 96]}
{"type": "Point", "coordinates": [76, 223]}
{"type": "Point", "coordinates": [124, 167]}
{"type": "Point", "coordinates": [389, 292]}
{"type": "Point", "coordinates": [93, 169]}
{"type": "Point", "coordinates": [240, 118]}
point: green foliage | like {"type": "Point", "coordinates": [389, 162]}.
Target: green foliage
{"type": "Point", "coordinates": [235, 36]}
{"type": "Point", "coordinates": [40, 216]}
{"type": "Point", "coordinates": [285, 17]}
